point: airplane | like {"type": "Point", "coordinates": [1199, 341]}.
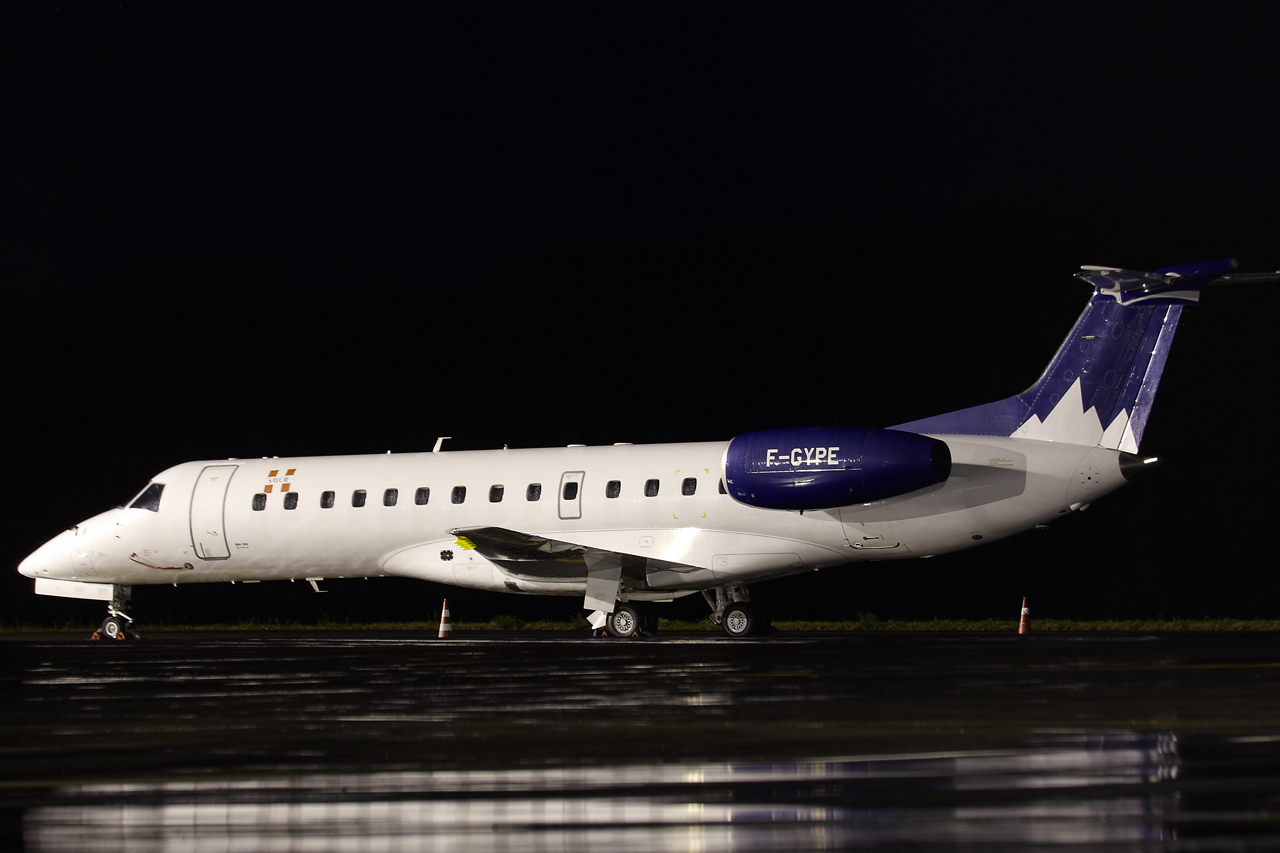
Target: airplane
{"type": "Point", "coordinates": [626, 526]}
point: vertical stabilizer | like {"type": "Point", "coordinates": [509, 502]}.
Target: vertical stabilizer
{"type": "Point", "coordinates": [1100, 385]}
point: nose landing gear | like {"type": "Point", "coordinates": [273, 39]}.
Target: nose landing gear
{"type": "Point", "coordinates": [118, 625]}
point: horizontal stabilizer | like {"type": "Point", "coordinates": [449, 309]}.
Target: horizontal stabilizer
{"type": "Point", "coordinates": [1247, 277]}
{"type": "Point", "coordinates": [1172, 285]}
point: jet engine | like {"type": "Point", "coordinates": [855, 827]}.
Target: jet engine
{"type": "Point", "coordinates": [827, 467]}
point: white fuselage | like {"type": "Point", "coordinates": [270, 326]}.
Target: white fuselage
{"type": "Point", "coordinates": [206, 527]}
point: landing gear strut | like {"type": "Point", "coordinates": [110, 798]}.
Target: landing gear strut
{"type": "Point", "coordinates": [732, 610]}
{"type": "Point", "coordinates": [118, 625]}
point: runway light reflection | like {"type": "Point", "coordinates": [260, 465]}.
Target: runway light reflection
{"type": "Point", "coordinates": [805, 805]}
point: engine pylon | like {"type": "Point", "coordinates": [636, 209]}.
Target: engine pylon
{"type": "Point", "coordinates": [446, 627]}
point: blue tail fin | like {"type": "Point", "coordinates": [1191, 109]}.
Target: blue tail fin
{"type": "Point", "coordinates": [1099, 387]}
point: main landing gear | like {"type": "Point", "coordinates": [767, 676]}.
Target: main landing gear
{"type": "Point", "coordinates": [118, 625]}
{"type": "Point", "coordinates": [732, 610]}
{"type": "Point", "coordinates": [628, 619]}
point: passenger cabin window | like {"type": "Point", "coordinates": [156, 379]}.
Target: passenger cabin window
{"type": "Point", "coordinates": [259, 502]}
{"type": "Point", "coordinates": [650, 488]}
{"type": "Point", "coordinates": [495, 494]}
{"type": "Point", "coordinates": [390, 496]}
{"type": "Point", "coordinates": [570, 491]}
{"type": "Point", "coordinates": [150, 498]}
{"type": "Point", "coordinates": [613, 488]}
{"type": "Point", "coordinates": [459, 494]}
{"type": "Point", "coordinates": [358, 497]}
{"type": "Point", "coordinates": [534, 492]}
{"type": "Point", "coordinates": [689, 486]}
{"type": "Point", "coordinates": [290, 500]}
{"type": "Point", "coordinates": [326, 500]}
{"type": "Point", "coordinates": [421, 496]}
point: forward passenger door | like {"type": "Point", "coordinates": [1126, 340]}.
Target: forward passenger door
{"type": "Point", "coordinates": [208, 536]}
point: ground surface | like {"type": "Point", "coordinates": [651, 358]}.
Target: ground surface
{"type": "Point", "coordinates": [1160, 741]}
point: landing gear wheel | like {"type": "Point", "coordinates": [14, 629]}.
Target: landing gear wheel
{"type": "Point", "coordinates": [740, 620]}
{"type": "Point", "coordinates": [624, 621]}
{"type": "Point", "coordinates": [114, 628]}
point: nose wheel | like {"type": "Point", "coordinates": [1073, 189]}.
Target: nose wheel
{"type": "Point", "coordinates": [117, 625]}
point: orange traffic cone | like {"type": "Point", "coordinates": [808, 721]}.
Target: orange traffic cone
{"type": "Point", "coordinates": [446, 627]}
{"type": "Point", "coordinates": [1023, 628]}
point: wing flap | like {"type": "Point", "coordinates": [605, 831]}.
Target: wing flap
{"type": "Point", "coordinates": [541, 558]}
{"type": "Point", "coordinates": [500, 543]}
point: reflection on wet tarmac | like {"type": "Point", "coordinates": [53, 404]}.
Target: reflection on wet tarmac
{"type": "Point", "coordinates": [1083, 791]}
{"type": "Point", "coordinates": [943, 742]}
{"type": "Point", "coordinates": [810, 805]}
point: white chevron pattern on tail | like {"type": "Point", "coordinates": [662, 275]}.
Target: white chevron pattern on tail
{"type": "Point", "coordinates": [1069, 423]}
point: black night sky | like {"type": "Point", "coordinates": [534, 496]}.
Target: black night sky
{"type": "Point", "coordinates": [247, 230]}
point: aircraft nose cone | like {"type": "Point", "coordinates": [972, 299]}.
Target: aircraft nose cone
{"type": "Point", "coordinates": [49, 560]}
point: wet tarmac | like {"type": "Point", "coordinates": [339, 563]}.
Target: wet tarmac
{"type": "Point", "coordinates": [353, 742]}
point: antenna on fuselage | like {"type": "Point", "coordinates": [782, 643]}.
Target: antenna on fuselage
{"type": "Point", "coordinates": [440, 441]}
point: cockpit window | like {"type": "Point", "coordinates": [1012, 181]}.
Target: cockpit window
{"type": "Point", "coordinates": [150, 498]}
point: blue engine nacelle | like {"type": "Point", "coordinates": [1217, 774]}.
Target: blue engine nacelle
{"type": "Point", "coordinates": [827, 467]}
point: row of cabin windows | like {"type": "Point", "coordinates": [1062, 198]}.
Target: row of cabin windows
{"type": "Point", "coordinates": [390, 497]}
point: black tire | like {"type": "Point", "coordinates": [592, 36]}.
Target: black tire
{"type": "Point", "coordinates": [624, 621]}
{"type": "Point", "coordinates": [113, 627]}
{"type": "Point", "coordinates": [648, 624]}
{"type": "Point", "coordinates": [740, 620]}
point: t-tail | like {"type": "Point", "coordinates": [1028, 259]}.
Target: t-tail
{"type": "Point", "coordinates": [1099, 387]}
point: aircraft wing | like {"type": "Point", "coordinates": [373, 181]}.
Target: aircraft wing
{"type": "Point", "coordinates": [528, 556]}
{"type": "Point", "coordinates": [503, 545]}
{"type": "Point", "coordinates": [533, 557]}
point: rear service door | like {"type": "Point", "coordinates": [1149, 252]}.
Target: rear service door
{"type": "Point", "coordinates": [571, 494]}
{"type": "Point", "coordinates": [208, 536]}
